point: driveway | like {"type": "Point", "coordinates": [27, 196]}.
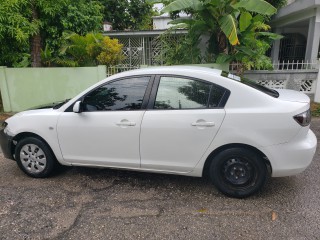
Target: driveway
{"type": "Point", "coordinates": [83, 203]}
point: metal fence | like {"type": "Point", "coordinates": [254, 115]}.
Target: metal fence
{"type": "Point", "coordinates": [284, 65]}
{"type": "Point", "coordinates": [120, 68]}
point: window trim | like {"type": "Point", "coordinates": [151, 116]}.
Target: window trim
{"type": "Point", "coordinates": [156, 84]}
{"type": "Point", "coordinates": [145, 100]}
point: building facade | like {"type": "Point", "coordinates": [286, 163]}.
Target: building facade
{"type": "Point", "coordinates": [299, 23]}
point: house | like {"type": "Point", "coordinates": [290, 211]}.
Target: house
{"type": "Point", "coordinates": [299, 23]}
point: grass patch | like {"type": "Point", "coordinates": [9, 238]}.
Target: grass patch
{"type": "Point", "coordinates": [315, 109]}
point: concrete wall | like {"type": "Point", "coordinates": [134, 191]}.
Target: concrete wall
{"type": "Point", "coordinates": [24, 88]}
{"type": "Point", "coordinates": [300, 80]}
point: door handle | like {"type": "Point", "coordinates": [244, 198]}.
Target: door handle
{"type": "Point", "coordinates": [203, 124]}
{"type": "Point", "coordinates": [125, 123]}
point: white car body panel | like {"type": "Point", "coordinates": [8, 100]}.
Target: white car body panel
{"type": "Point", "coordinates": [168, 135]}
{"type": "Point", "coordinates": [169, 144]}
{"type": "Point", "coordinates": [41, 122]}
{"type": "Point", "coordinates": [101, 138]}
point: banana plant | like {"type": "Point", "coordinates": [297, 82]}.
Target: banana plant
{"type": "Point", "coordinates": [227, 14]}
{"type": "Point", "coordinates": [236, 28]}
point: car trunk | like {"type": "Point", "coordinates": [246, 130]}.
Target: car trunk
{"type": "Point", "coordinates": [292, 96]}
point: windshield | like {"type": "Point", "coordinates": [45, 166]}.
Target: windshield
{"type": "Point", "coordinates": [251, 83]}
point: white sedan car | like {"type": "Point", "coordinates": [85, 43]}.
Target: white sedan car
{"type": "Point", "coordinates": [184, 120]}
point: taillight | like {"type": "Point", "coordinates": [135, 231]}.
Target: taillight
{"type": "Point", "coordinates": [304, 118]}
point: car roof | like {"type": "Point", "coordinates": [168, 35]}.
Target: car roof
{"type": "Point", "coordinates": [176, 70]}
{"type": "Point", "coordinates": [239, 90]}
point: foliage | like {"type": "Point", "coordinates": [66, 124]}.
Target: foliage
{"type": "Point", "coordinates": [278, 3]}
{"type": "Point", "coordinates": [25, 61]}
{"type": "Point", "coordinates": [14, 21]}
{"type": "Point", "coordinates": [15, 30]}
{"type": "Point", "coordinates": [179, 49]}
{"type": "Point", "coordinates": [315, 109]}
{"type": "Point", "coordinates": [111, 52]}
{"type": "Point", "coordinates": [47, 56]}
{"type": "Point", "coordinates": [28, 25]}
{"type": "Point", "coordinates": [89, 50]}
{"type": "Point", "coordinates": [82, 17]}
{"type": "Point", "coordinates": [12, 52]}
{"type": "Point", "coordinates": [128, 14]}
{"type": "Point", "coordinates": [236, 28]}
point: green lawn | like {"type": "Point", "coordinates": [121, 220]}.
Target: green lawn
{"type": "Point", "coordinates": [315, 109]}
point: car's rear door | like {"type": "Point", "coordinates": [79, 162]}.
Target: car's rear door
{"type": "Point", "coordinates": [107, 131]}
{"type": "Point", "coordinates": [182, 119]}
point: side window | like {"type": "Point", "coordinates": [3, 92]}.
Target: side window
{"type": "Point", "coordinates": [180, 93]}
{"type": "Point", "coordinates": [126, 94]}
{"type": "Point", "coordinates": [216, 96]}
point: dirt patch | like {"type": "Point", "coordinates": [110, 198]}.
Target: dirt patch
{"type": "Point", "coordinates": [4, 116]}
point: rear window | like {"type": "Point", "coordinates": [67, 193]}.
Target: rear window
{"type": "Point", "coordinates": [251, 83]}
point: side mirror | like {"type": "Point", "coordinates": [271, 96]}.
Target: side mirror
{"type": "Point", "coordinates": [77, 107]}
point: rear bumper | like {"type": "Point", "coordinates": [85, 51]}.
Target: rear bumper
{"type": "Point", "coordinates": [293, 157]}
{"type": "Point", "coordinates": [6, 143]}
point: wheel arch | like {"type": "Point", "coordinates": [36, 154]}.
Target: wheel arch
{"type": "Point", "coordinates": [23, 135]}
{"type": "Point", "coordinates": [205, 171]}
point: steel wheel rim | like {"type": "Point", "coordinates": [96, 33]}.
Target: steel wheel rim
{"type": "Point", "coordinates": [33, 158]}
{"type": "Point", "coordinates": [238, 171]}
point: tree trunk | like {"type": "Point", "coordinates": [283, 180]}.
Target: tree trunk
{"type": "Point", "coordinates": [36, 50]}
{"type": "Point", "coordinates": [35, 43]}
{"type": "Point", "coordinates": [222, 43]}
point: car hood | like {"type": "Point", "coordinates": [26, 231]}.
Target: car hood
{"type": "Point", "coordinates": [292, 96]}
{"type": "Point", "coordinates": [33, 112]}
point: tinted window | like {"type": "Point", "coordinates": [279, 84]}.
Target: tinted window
{"type": "Point", "coordinates": [216, 96]}
{"type": "Point", "coordinates": [126, 94]}
{"type": "Point", "coordinates": [180, 93]}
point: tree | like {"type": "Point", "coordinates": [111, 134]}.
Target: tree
{"type": "Point", "coordinates": [79, 16]}
{"type": "Point", "coordinates": [20, 21]}
{"type": "Point", "coordinates": [236, 28]}
{"type": "Point", "coordinates": [128, 14]}
{"type": "Point", "coordinates": [28, 25]}
{"type": "Point", "coordinates": [89, 50]}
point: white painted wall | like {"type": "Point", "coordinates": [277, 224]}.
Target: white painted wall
{"type": "Point", "coordinates": [303, 31]}
{"type": "Point", "coordinates": [161, 22]}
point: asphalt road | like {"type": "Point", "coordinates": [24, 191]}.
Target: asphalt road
{"type": "Point", "coordinates": [83, 203]}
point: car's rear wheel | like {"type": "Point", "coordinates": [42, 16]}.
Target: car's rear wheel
{"type": "Point", "coordinates": [34, 157]}
{"type": "Point", "coordinates": [238, 172]}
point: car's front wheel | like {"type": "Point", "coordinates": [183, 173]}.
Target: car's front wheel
{"type": "Point", "coordinates": [34, 157]}
{"type": "Point", "coordinates": [238, 172]}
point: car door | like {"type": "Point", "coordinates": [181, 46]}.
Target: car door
{"type": "Point", "coordinates": [106, 131]}
{"type": "Point", "coordinates": [181, 121]}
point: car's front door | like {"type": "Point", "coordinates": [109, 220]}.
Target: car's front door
{"type": "Point", "coordinates": [106, 132]}
{"type": "Point", "coordinates": [183, 120]}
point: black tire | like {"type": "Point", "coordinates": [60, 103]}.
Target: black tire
{"type": "Point", "coordinates": [238, 172]}
{"type": "Point", "coordinates": [34, 157]}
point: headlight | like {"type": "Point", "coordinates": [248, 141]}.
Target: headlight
{"type": "Point", "coordinates": [4, 125]}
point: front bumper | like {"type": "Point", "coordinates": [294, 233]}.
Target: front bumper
{"type": "Point", "coordinates": [293, 157]}
{"type": "Point", "coordinates": [6, 144]}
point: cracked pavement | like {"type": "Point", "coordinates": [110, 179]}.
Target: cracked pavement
{"type": "Point", "coordinates": [87, 203]}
